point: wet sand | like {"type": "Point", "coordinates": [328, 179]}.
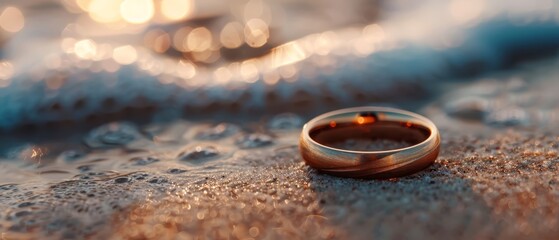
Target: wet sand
{"type": "Point", "coordinates": [496, 178]}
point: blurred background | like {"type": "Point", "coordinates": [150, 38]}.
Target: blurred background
{"type": "Point", "coordinates": [160, 54]}
{"type": "Point", "coordinates": [72, 61]}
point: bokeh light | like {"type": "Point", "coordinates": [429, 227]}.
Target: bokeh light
{"type": "Point", "coordinates": [6, 72]}
{"type": "Point", "coordinates": [249, 71]}
{"type": "Point", "coordinates": [104, 11]}
{"type": "Point", "coordinates": [231, 35]}
{"type": "Point", "coordinates": [179, 38]}
{"type": "Point", "coordinates": [256, 32]}
{"type": "Point", "coordinates": [125, 54]}
{"type": "Point", "coordinates": [176, 9]}
{"type": "Point", "coordinates": [137, 11]}
{"type": "Point", "coordinates": [199, 39]}
{"type": "Point", "coordinates": [222, 75]}
{"type": "Point", "coordinates": [11, 19]}
{"type": "Point", "coordinates": [158, 40]}
{"type": "Point", "coordinates": [186, 70]}
{"type": "Point", "coordinates": [85, 49]}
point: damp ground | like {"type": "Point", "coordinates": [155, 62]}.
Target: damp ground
{"type": "Point", "coordinates": [496, 177]}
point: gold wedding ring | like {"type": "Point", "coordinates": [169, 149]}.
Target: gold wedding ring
{"type": "Point", "coordinates": [320, 135]}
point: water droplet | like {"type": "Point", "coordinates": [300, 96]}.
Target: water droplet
{"type": "Point", "coordinates": [166, 132]}
{"type": "Point", "coordinates": [132, 150]}
{"type": "Point", "coordinates": [219, 131]}
{"type": "Point", "coordinates": [139, 175]}
{"type": "Point", "coordinates": [71, 155]}
{"type": "Point", "coordinates": [30, 154]}
{"type": "Point", "coordinates": [112, 134]}
{"type": "Point", "coordinates": [22, 213]}
{"type": "Point", "coordinates": [254, 140]}
{"type": "Point", "coordinates": [53, 172]}
{"type": "Point", "coordinates": [84, 168]}
{"type": "Point", "coordinates": [95, 175]}
{"type": "Point", "coordinates": [142, 161]}
{"type": "Point", "coordinates": [199, 153]}
{"type": "Point", "coordinates": [176, 171]}
{"type": "Point", "coordinates": [468, 108]}
{"type": "Point", "coordinates": [158, 180]}
{"type": "Point", "coordinates": [508, 117]}
{"type": "Point", "coordinates": [25, 204]}
{"type": "Point", "coordinates": [122, 180]}
{"type": "Point", "coordinates": [8, 187]}
{"type": "Point", "coordinates": [285, 121]}
{"type": "Point", "coordinates": [485, 87]}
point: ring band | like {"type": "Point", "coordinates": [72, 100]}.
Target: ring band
{"type": "Point", "coordinates": [371, 123]}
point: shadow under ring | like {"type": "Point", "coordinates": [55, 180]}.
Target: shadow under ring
{"type": "Point", "coordinates": [369, 123]}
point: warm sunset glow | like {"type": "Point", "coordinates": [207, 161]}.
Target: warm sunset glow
{"type": "Point", "coordinates": [6, 72]}
{"type": "Point", "coordinates": [199, 39]}
{"type": "Point", "coordinates": [222, 75]}
{"type": "Point", "coordinates": [256, 33]}
{"type": "Point", "coordinates": [125, 55]}
{"type": "Point", "coordinates": [83, 4]}
{"type": "Point", "coordinates": [288, 72]}
{"type": "Point", "coordinates": [374, 32]}
{"type": "Point", "coordinates": [11, 20]}
{"type": "Point", "coordinates": [287, 54]}
{"type": "Point", "coordinates": [162, 43]}
{"type": "Point", "coordinates": [136, 11]}
{"type": "Point", "coordinates": [232, 35]}
{"type": "Point", "coordinates": [360, 120]}
{"type": "Point", "coordinates": [365, 119]}
{"type": "Point", "coordinates": [205, 56]}
{"type": "Point", "coordinates": [179, 39]}
{"type": "Point", "coordinates": [158, 40]}
{"type": "Point", "coordinates": [253, 9]}
{"type": "Point", "coordinates": [186, 70]}
{"type": "Point", "coordinates": [67, 45]}
{"type": "Point", "coordinates": [466, 11]}
{"type": "Point", "coordinates": [249, 71]}
{"type": "Point", "coordinates": [85, 49]}
{"type": "Point", "coordinates": [104, 11]}
{"type": "Point", "coordinates": [176, 9]}
{"type": "Point", "coordinates": [271, 77]}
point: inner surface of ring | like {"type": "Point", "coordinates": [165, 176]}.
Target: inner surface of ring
{"type": "Point", "coordinates": [369, 134]}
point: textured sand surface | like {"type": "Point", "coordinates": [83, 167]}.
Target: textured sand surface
{"type": "Point", "coordinates": [496, 178]}
{"type": "Point", "coordinates": [501, 186]}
